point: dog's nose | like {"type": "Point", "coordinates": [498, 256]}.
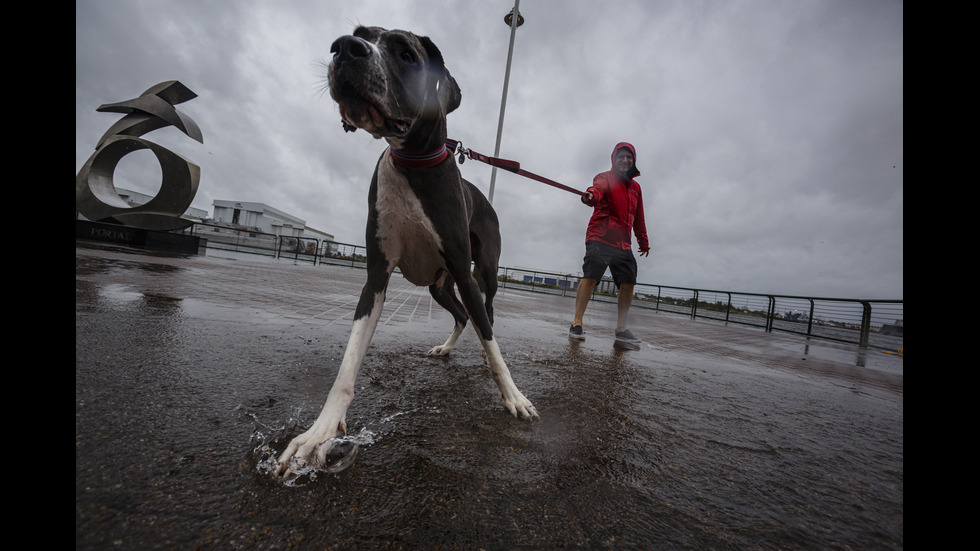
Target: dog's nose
{"type": "Point", "coordinates": [350, 47]}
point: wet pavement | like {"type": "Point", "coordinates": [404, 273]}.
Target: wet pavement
{"type": "Point", "coordinates": [193, 373]}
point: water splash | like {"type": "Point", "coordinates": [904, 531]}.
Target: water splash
{"type": "Point", "coordinates": [341, 455]}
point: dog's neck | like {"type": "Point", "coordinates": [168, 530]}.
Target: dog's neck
{"type": "Point", "coordinates": [424, 146]}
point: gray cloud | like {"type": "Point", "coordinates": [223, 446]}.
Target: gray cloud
{"type": "Point", "coordinates": [769, 133]}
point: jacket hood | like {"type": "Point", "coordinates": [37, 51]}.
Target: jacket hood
{"type": "Point", "coordinates": [634, 172]}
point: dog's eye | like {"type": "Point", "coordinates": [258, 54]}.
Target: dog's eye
{"type": "Point", "coordinates": [408, 56]}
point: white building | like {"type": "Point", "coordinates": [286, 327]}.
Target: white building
{"type": "Point", "coordinates": [259, 217]}
{"type": "Point", "coordinates": [263, 218]}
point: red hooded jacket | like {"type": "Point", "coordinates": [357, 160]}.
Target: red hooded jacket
{"type": "Point", "coordinates": [618, 207]}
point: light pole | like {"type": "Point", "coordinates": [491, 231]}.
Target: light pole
{"type": "Point", "coordinates": [512, 22]}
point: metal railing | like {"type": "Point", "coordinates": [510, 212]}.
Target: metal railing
{"type": "Point", "coordinates": [867, 323]}
{"type": "Point", "coordinates": [254, 241]}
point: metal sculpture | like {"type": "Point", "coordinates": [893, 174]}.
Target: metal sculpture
{"type": "Point", "coordinates": [96, 197]}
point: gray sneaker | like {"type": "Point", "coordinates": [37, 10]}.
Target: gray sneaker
{"type": "Point", "coordinates": [626, 337]}
{"type": "Point", "coordinates": [575, 332]}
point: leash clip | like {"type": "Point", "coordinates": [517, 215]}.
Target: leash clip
{"type": "Point", "coordinates": [462, 152]}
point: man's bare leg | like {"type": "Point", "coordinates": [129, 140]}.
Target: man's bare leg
{"type": "Point", "coordinates": [623, 303]}
{"type": "Point", "coordinates": [582, 297]}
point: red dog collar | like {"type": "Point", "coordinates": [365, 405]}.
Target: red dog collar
{"type": "Point", "coordinates": [420, 161]}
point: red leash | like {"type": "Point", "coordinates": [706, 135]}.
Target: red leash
{"type": "Point", "coordinates": [510, 166]}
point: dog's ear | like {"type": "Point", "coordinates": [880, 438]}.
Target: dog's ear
{"type": "Point", "coordinates": [447, 90]}
{"type": "Point", "coordinates": [449, 93]}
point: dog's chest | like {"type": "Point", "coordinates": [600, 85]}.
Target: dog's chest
{"type": "Point", "coordinates": [406, 235]}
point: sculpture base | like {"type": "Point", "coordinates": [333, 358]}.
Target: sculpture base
{"type": "Point", "coordinates": [136, 237]}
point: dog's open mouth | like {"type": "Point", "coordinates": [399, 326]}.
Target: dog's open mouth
{"type": "Point", "coordinates": [359, 113]}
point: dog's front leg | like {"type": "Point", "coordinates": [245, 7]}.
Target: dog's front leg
{"type": "Point", "coordinates": [514, 400]}
{"type": "Point", "coordinates": [332, 419]}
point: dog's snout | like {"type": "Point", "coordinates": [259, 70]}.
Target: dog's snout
{"type": "Point", "coordinates": [350, 47]}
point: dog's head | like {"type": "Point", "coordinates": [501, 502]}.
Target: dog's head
{"type": "Point", "coordinates": [388, 82]}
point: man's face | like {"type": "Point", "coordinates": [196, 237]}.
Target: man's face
{"type": "Point", "coordinates": [623, 161]}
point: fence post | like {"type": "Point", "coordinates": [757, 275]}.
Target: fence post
{"type": "Point", "coordinates": [809, 321]}
{"type": "Point", "coordinates": [771, 314]}
{"type": "Point", "coordinates": [865, 323]}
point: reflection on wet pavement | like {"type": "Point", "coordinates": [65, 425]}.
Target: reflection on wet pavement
{"type": "Point", "coordinates": [192, 373]}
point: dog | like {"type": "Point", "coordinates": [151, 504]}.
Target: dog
{"type": "Point", "coordinates": [423, 217]}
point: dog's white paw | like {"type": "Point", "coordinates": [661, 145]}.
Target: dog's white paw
{"type": "Point", "coordinates": [309, 448]}
{"type": "Point", "coordinates": [441, 350]}
{"type": "Point", "coordinates": [519, 406]}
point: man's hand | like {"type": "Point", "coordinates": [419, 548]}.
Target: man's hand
{"type": "Point", "coordinates": [587, 198]}
{"type": "Point", "coordinates": [645, 252]}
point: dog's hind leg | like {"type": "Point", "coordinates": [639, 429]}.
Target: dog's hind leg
{"type": "Point", "coordinates": [442, 292]}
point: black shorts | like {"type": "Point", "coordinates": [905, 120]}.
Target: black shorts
{"type": "Point", "coordinates": [599, 256]}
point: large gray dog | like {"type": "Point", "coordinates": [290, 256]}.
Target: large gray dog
{"type": "Point", "coordinates": [423, 217]}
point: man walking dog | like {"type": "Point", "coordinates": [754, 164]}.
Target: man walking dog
{"type": "Point", "coordinates": [618, 204]}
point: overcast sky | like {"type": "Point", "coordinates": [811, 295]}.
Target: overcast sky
{"type": "Point", "coordinates": [769, 133]}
